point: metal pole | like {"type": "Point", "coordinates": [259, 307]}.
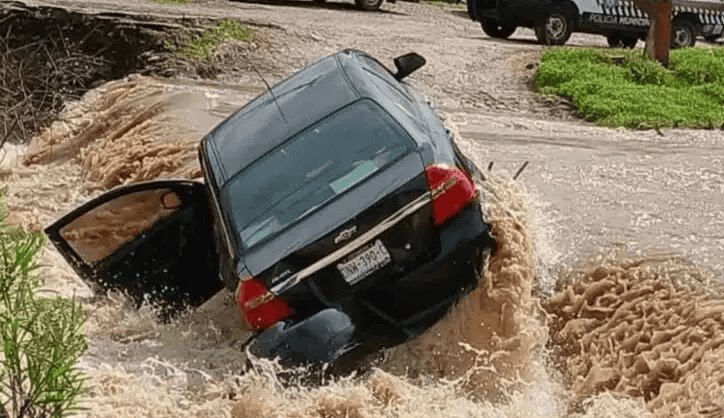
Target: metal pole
{"type": "Point", "coordinates": [658, 41]}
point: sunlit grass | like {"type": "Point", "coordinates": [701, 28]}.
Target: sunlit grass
{"type": "Point", "coordinates": [623, 88]}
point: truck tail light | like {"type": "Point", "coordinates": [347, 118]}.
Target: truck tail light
{"type": "Point", "coordinates": [451, 191]}
{"type": "Point", "coordinates": [260, 308]}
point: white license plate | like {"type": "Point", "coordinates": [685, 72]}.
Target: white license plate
{"type": "Point", "coordinates": [365, 263]}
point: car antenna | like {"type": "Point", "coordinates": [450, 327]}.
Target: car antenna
{"type": "Point", "coordinates": [269, 89]}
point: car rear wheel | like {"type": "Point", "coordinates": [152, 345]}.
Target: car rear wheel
{"type": "Point", "coordinates": [369, 5]}
{"type": "Point", "coordinates": [494, 29]}
{"type": "Point", "coordinates": [682, 34]}
{"type": "Point", "coordinates": [556, 29]}
{"type": "Point", "coordinates": [619, 40]}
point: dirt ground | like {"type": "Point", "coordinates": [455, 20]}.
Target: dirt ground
{"type": "Point", "coordinates": [590, 190]}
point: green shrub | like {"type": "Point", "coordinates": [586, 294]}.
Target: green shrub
{"type": "Point", "coordinates": [644, 71]}
{"type": "Point", "coordinates": [615, 87]}
{"type": "Point", "coordinates": [697, 66]}
{"type": "Point", "coordinates": [41, 337]}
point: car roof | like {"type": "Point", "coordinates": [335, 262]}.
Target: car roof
{"type": "Point", "coordinates": [302, 99]}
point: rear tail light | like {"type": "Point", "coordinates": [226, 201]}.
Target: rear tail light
{"type": "Point", "coordinates": [259, 307]}
{"type": "Point", "coordinates": [451, 191]}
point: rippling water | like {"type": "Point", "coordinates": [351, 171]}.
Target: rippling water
{"type": "Point", "coordinates": [541, 337]}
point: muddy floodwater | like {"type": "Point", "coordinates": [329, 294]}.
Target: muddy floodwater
{"type": "Point", "coordinates": [550, 332]}
{"type": "Point", "coordinates": [598, 188]}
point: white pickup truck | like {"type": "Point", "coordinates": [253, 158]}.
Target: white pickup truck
{"type": "Point", "coordinates": [620, 21]}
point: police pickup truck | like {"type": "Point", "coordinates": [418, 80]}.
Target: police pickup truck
{"type": "Point", "coordinates": [620, 21]}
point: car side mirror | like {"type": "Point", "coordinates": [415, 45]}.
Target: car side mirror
{"type": "Point", "coordinates": [408, 64]}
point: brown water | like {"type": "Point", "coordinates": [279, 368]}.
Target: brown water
{"type": "Point", "coordinates": [614, 337]}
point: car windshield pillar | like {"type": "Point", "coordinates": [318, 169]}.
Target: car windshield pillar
{"type": "Point", "coordinates": [217, 215]}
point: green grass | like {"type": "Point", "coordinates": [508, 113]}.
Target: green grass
{"type": "Point", "coordinates": [615, 88]}
{"type": "Point", "coordinates": [41, 337]}
{"type": "Point", "coordinates": [202, 46]}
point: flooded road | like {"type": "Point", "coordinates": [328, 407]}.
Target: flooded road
{"type": "Point", "coordinates": [496, 354]}
{"type": "Point", "coordinates": [550, 332]}
{"type": "Point", "coordinates": [606, 188]}
{"type": "Point", "coordinates": [597, 188]}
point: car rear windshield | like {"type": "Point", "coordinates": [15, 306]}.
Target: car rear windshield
{"type": "Point", "coordinates": [313, 168]}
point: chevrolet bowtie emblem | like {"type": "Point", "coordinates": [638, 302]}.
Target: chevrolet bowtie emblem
{"type": "Point", "coordinates": [345, 234]}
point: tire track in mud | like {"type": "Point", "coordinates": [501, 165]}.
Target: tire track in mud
{"type": "Point", "coordinates": [627, 339]}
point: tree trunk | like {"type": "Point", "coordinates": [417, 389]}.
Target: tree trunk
{"type": "Point", "coordinates": [658, 40]}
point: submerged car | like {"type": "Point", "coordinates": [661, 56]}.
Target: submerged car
{"type": "Point", "coordinates": [336, 206]}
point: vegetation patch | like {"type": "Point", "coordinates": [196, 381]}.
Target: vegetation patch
{"type": "Point", "coordinates": [41, 336]}
{"type": "Point", "coordinates": [202, 46]}
{"type": "Point", "coordinates": [50, 56]}
{"type": "Point", "coordinates": [614, 87]}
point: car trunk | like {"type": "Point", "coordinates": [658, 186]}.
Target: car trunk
{"type": "Point", "coordinates": [348, 217]}
{"type": "Point", "coordinates": [361, 251]}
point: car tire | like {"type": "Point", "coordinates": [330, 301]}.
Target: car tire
{"type": "Point", "coordinates": [556, 29]}
{"type": "Point", "coordinates": [494, 29]}
{"type": "Point", "coordinates": [683, 34]}
{"type": "Point", "coordinates": [619, 40]}
{"type": "Point", "coordinates": [368, 5]}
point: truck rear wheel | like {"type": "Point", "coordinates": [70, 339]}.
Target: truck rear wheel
{"type": "Point", "coordinates": [492, 28]}
{"type": "Point", "coordinates": [683, 34]}
{"type": "Point", "coordinates": [556, 29]}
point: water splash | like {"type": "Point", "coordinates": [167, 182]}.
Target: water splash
{"type": "Point", "coordinates": [623, 338]}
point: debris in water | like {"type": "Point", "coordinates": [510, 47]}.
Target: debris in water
{"type": "Point", "coordinates": [520, 170]}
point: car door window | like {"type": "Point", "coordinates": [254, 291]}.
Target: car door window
{"type": "Point", "coordinates": [106, 228]}
{"type": "Point", "coordinates": [152, 241]}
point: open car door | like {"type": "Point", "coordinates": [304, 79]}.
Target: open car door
{"type": "Point", "coordinates": [150, 240]}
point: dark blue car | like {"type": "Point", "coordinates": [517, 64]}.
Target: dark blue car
{"type": "Point", "coordinates": [336, 206]}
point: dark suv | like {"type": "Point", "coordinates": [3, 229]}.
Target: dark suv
{"type": "Point", "coordinates": [335, 205]}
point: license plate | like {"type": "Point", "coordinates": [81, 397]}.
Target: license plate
{"type": "Point", "coordinates": [364, 263]}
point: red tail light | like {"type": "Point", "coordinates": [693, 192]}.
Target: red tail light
{"type": "Point", "coordinates": [451, 190]}
{"type": "Point", "coordinates": [259, 307]}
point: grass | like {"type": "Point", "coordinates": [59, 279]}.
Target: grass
{"type": "Point", "coordinates": [41, 336]}
{"type": "Point", "coordinates": [202, 46]}
{"type": "Point", "coordinates": [622, 88]}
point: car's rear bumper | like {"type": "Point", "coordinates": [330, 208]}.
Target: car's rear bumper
{"type": "Point", "coordinates": [451, 273]}
{"type": "Point", "coordinates": [331, 334]}
{"type": "Point", "coordinates": [320, 338]}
